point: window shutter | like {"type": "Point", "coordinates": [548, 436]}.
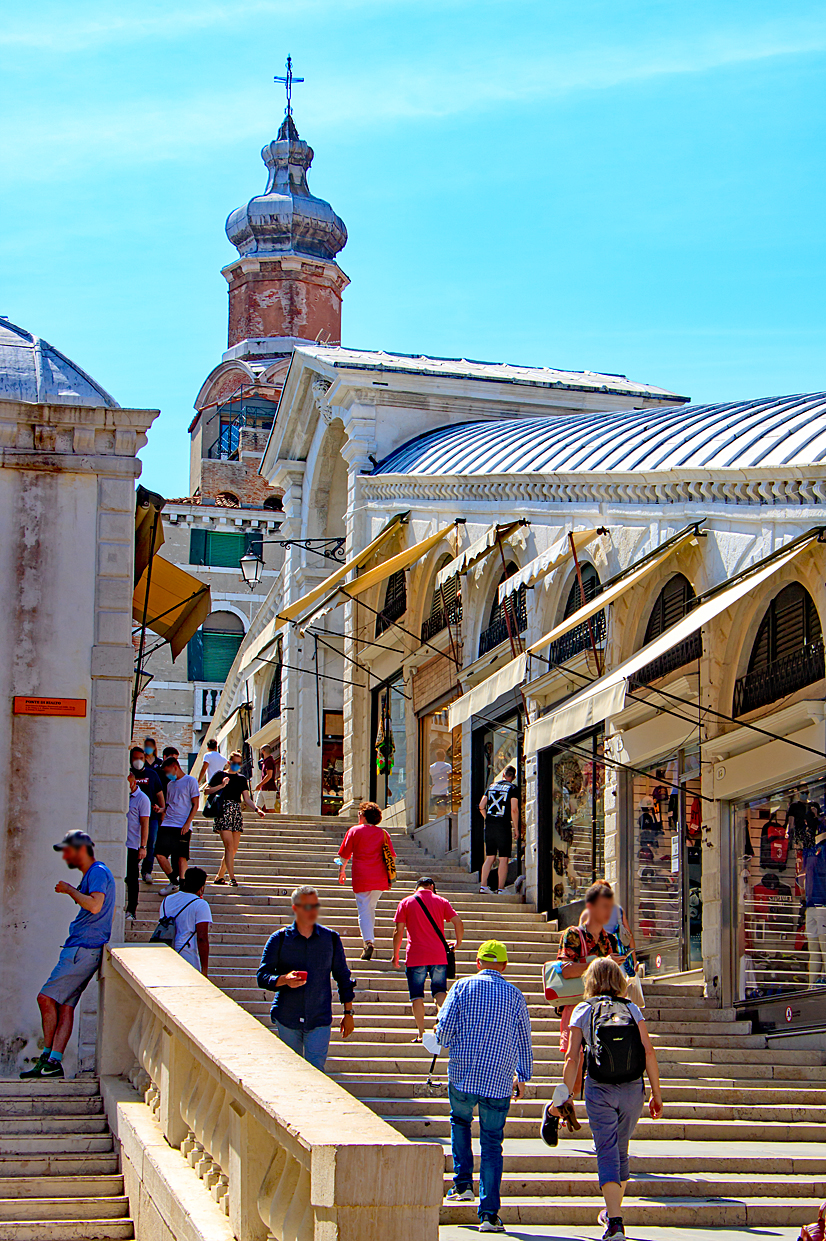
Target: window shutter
{"type": "Point", "coordinates": [672, 605]}
{"type": "Point", "coordinates": [197, 546]}
{"type": "Point", "coordinates": [254, 544]}
{"type": "Point", "coordinates": [591, 586]}
{"type": "Point", "coordinates": [195, 656]}
{"type": "Point", "coordinates": [224, 551]}
{"type": "Point", "coordinates": [220, 650]}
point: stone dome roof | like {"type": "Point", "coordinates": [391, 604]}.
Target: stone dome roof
{"type": "Point", "coordinates": [287, 218]}
{"type": "Point", "coordinates": [34, 371]}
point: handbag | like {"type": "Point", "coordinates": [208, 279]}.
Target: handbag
{"type": "Point", "coordinates": [389, 860]}
{"type": "Point", "coordinates": [816, 1231]}
{"type": "Point", "coordinates": [560, 990]}
{"type": "Point", "coordinates": [449, 949]}
{"type": "Point", "coordinates": [214, 805]}
{"type": "Point", "coordinates": [633, 991]}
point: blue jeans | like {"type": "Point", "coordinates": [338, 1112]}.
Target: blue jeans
{"type": "Point", "coordinates": [613, 1112]}
{"type": "Point", "coordinates": [313, 1045]}
{"type": "Point", "coordinates": [149, 861]}
{"type": "Point", "coordinates": [492, 1116]}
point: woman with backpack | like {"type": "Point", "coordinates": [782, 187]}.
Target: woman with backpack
{"type": "Point", "coordinates": [618, 1051]}
{"type": "Point", "coordinates": [580, 944]}
{"type": "Point", "coordinates": [230, 788]}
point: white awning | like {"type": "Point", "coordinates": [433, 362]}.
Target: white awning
{"type": "Point", "coordinates": [474, 552]}
{"type": "Point", "coordinates": [228, 727]}
{"type": "Point", "coordinates": [608, 596]}
{"type": "Point", "coordinates": [542, 566]}
{"type": "Point", "coordinates": [485, 694]}
{"type": "Point", "coordinates": [606, 697]}
{"type": "Point", "coordinates": [268, 733]}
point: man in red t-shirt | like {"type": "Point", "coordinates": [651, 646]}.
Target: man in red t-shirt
{"type": "Point", "coordinates": [426, 953]}
{"type": "Point", "coordinates": [266, 793]}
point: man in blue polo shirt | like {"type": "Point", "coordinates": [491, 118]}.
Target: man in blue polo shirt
{"type": "Point", "coordinates": [297, 965]}
{"type": "Point", "coordinates": [82, 953]}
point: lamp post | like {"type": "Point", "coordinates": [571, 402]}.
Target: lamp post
{"type": "Point", "coordinates": [252, 565]}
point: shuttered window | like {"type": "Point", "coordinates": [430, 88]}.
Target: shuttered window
{"type": "Point", "coordinates": [223, 550]}
{"type": "Point", "coordinates": [395, 601]}
{"type": "Point", "coordinates": [220, 650]}
{"type": "Point", "coordinates": [791, 623]}
{"type": "Point", "coordinates": [212, 650]}
{"type": "Point", "coordinates": [673, 602]}
{"type": "Point", "coordinates": [591, 587]}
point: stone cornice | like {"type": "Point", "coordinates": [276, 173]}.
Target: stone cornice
{"type": "Point", "coordinates": [763, 488]}
{"type": "Point", "coordinates": [72, 437]}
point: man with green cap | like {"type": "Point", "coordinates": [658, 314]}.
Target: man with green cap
{"type": "Point", "coordinates": [485, 1026]}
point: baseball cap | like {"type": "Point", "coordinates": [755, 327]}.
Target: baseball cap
{"type": "Point", "coordinates": [74, 840]}
{"type": "Point", "coordinates": [492, 950]}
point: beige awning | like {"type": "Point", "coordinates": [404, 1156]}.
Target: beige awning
{"type": "Point", "coordinates": [542, 566]}
{"type": "Point", "coordinates": [611, 593]}
{"type": "Point", "coordinates": [145, 546]}
{"type": "Point", "coordinates": [265, 735]}
{"type": "Point", "coordinates": [251, 651]}
{"type": "Point", "coordinates": [484, 695]}
{"type": "Point", "coordinates": [475, 552]}
{"type": "Point", "coordinates": [403, 560]}
{"type": "Point", "coordinates": [606, 697]}
{"type": "Point", "coordinates": [178, 603]}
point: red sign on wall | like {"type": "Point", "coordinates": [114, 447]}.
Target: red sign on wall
{"type": "Point", "coordinates": [50, 706]}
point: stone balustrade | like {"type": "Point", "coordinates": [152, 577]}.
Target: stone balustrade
{"type": "Point", "coordinates": [284, 1151]}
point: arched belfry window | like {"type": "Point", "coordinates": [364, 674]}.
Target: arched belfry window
{"type": "Point", "coordinates": [673, 602]}
{"type": "Point", "coordinates": [395, 602]}
{"type": "Point", "coordinates": [787, 653]}
{"type": "Point", "coordinates": [579, 639]}
{"type": "Point", "coordinates": [517, 613]}
{"type": "Point", "coordinates": [445, 604]}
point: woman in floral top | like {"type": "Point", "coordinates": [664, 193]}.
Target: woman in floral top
{"type": "Point", "coordinates": [592, 936]}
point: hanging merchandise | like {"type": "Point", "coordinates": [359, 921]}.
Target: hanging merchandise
{"type": "Point", "coordinates": [774, 845]}
{"type": "Point", "coordinates": [695, 819]}
{"type": "Point", "coordinates": [385, 745]}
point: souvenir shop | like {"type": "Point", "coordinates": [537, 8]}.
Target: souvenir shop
{"type": "Point", "coordinates": [779, 844]}
{"type": "Point", "coordinates": [496, 743]}
{"type": "Point", "coordinates": [571, 824]}
{"type": "Point", "coordinates": [388, 780]}
{"type": "Point", "coordinates": [662, 860]}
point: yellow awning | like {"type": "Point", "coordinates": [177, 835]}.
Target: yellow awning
{"type": "Point", "coordinates": [608, 596]}
{"type": "Point", "coordinates": [544, 565]}
{"type": "Point", "coordinates": [401, 561]}
{"type": "Point", "coordinates": [178, 603]}
{"type": "Point", "coordinates": [476, 551]}
{"type": "Point", "coordinates": [145, 547]}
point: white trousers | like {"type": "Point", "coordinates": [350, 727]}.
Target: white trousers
{"type": "Point", "coordinates": [367, 902]}
{"type": "Point", "coordinates": [265, 799]}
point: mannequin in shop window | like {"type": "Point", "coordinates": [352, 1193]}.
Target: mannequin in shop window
{"type": "Point", "coordinates": [813, 862]}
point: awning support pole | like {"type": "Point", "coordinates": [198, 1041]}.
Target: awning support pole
{"type": "Point", "coordinates": [582, 602]}
{"type": "Point", "coordinates": [317, 696]}
{"type": "Point", "coordinates": [142, 642]}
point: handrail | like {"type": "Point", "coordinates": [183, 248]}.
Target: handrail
{"type": "Point", "coordinates": [258, 1123]}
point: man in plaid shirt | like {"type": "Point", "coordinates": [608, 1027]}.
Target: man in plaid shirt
{"type": "Point", "coordinates": [485, 1026]}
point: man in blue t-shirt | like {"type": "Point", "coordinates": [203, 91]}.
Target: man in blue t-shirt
{"type": "Point", "coordinates": [81, 954]}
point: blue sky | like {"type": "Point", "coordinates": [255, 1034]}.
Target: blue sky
{"type": "Point", "coordinates": [633, 187]}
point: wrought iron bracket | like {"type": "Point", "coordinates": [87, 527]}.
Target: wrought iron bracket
{"type": "Point", "coordinates": [331, 549]}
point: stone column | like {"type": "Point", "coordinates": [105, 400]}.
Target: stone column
{"type": "Point", "coordinates": [67, 508]}
{"type": "Point", "coordinates": [290, 478]}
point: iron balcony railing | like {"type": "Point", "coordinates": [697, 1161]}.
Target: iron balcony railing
{"type": "Point", "coordinates": [784, 676]}
{"type": "Point", "coordinates": [497, 631]}
{"type": "Point", "coordinates": [685, 652]}
{"type": "Point", "coordinates": [577, 640]}
{"type": "Point", "coordinates": [451, 615]}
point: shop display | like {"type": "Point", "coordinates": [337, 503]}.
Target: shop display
{"type": "Point", "coordinates": [500, 746]}
{"type": "Point", "coordinates": [781, 843]}
{"type": "Point", "coordinates": [390, 742]}
{"type": "Point", "coordinates": [332, 763]}
{"type": "Point", "coordinates": [440, 765]}
{"type": "Point", "coordinates": [578, 847]}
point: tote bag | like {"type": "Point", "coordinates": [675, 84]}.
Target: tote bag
{"type": "Point", "coordinates": [559, 990]}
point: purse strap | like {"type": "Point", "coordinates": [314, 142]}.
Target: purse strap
{"type": "Point", "coordinates": [433, 923]}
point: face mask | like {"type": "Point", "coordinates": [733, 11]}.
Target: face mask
{"type": "Point", "coordinates": [138, 764]}
{"type": "Point", "coordinates": [235, 766]}
{"type": "Point", "coordinates": [171, 779]}
{"type": "Point", "coordinates": [150, 749]}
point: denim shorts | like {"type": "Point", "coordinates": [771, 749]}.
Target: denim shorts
{"type": "Point", "coordinates": [75, 969]}
{"type": "Point", "coordinates": [417, 975]}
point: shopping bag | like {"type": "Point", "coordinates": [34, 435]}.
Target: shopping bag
{"type": "Point", "coordinates": [633, 992]}
{"type": "Point", "coordinates": [561, 991]}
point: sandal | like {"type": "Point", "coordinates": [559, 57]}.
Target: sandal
{"type": "Point", "coordinates": [417, 1039]}
{"type": "Point", "coordinates": [223, 879]}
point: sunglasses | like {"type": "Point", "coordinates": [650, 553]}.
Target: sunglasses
{"type": "Point", "coordinates": [317, 905]}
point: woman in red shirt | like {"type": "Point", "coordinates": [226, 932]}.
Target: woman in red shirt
{"type": "Point", "coordinates": [365, 844]}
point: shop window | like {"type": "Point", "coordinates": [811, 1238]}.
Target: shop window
{"type": "Point", "coordinates": [389, 776]}
{"type": "Point", "coordinates": [787, 654]}
{"type": "Point", "coordinates": [395, 602]}
{"type": "Point", "coordinates": [578, 817]}
{"type": "Point", "coordinates": [781, 869]}
{"type": "Point", "coordinates": [674, 601]}
{"type": "Point", "coordinates": [579, 639]}
{"type": "Point", "coordinates": [440, 766]}
{"type": "Point", "coordinates": [218, 549]}
{"type": "Point", "coordinates": [496, 746]}
{"type": "Point", "coordinates": [666, 865]}
{"type": "Point", "coordinates": [507, 618]}
{"type": "Point", "coordinates": [211, 651]}
{"type": "Point", "coordinates": [332, 763]}
{"type": "Point", "coordinates": [445, 605]}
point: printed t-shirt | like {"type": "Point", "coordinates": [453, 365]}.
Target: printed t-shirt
{"type": "Point", "coordinates": [149, 782]}
{"type": "Point", "coordinates": [498, 804]}
{"type": "Point", "coordinates": [94, 930]}
{"type": "Point", "coordinates": [188, 910]}
{"type": "Point", "coordinates": [179, 795]}
{"type": "Point", "coordinates": [423, 944]}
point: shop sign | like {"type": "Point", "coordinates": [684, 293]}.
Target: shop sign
{"type": "Point", "coordinates": [50, 706]}
{"type": "Point", "coordinates": [789, 1014]}
{"type": "Point", "coordinates": [675, 855]}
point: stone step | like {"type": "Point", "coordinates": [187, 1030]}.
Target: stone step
{"type": "Point", "coordinates": [675, 1130]}
{"type": "Point", "coordinates": [74, 1105]}
{"type": "Point", "coordinates": [674, 1091]}
{"type": "Point", "coordinates": [57, 1209]}
{"type": "Point", "coordinates": [551, 1070]}
{"type": "Point", "coordinates": [45, 1186]}
{"type": "Point", "coordinates": [61, 1089]}
{"type": "Point", "coordinates": [56, 1125]}
{"type": "Point", "coordinates": [531, 1109]}
{"type": "Point", "coordinates": [17, 1145]}
{"type": "Point", "coordinates": [53, 1164]}
{"type": "Point", "coordinates": [92, 1229]}
{"type": "Point", "coordinates": [699, 1185]}
{"type": "Point", "coordinates": [675, 1212]}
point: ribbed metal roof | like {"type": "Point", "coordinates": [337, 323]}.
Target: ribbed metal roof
{"type": "Point", "coordinates": [774, 431]}
{"type": "Point", "coordinates": [34, 371]}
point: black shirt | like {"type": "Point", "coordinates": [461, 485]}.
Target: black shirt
{"type": "Point", "coordinates": [237, 784]}
{"type": "Point", "coordinates": [498, 804]}
{"type": "Point", "coordinates": [149, 782]}
{"type": "Point", "coordinates": [321, 955]}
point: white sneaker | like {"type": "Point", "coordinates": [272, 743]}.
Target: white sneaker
{"type": "Point", "coordinates": [147, 879]}
{"type": "Point", "coordinates": [486, 890]}
{"type": "Point", "coordinates": [169, 889]}
{"type": "Point", "coordinates": [457, 1195]}
{"type": "Point", "coordinates": [130, 917]}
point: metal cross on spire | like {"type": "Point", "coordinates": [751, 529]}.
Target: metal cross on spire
{"type": "Point", "coordinates": [287, 82]}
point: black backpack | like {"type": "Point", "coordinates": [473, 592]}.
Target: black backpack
{"type": "Point", "coordinates": [613, 1047]}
